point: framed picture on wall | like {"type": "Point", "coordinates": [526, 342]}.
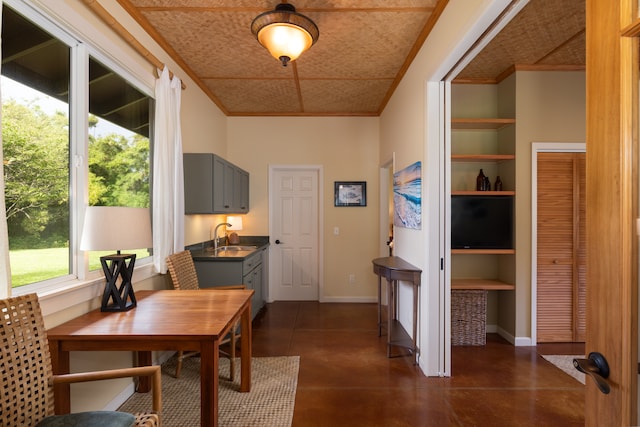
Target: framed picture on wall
{"type": "Point", "coordinates": [407, 197]}
{"type": "Point", "coordinates": [350, 193]}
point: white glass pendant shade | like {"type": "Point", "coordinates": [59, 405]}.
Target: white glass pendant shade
{"type": "Point", "coordinates": [285, 33]}
{"type": "Point", "coordinates": [285, 40]}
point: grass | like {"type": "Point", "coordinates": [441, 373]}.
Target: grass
{"type": "Point", "coordinates": [35, 265]}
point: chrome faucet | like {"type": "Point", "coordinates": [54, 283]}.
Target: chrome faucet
{"type": "Point", "coordinates": [215, 234]}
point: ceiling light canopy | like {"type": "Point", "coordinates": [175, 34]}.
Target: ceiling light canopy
{"type": "Point", "coordinates": [284, 32]}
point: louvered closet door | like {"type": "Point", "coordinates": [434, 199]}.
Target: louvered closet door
{"type": "Point", "coordinates": [561, 287]}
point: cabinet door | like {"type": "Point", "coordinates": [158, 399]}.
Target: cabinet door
{"type": "Point", "coordinates": [227, 195]}
{"type": "Point", "coordinates": [211, 274]}
{"type": "Point", "coordinates": [198, 183]}
{"type": "Point", "coordinates": [257, 300]}
{"type": "Point", "coordinates": [252, 281]}
{"type": "Point", "coordinates": [240, 191]}
{"type": "Point", "coordinates": [222, 185]}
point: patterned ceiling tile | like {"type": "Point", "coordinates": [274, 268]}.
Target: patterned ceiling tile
{"type": "Point", "coordinates": [534, 33]}
{"type": "Point", "coordinates": [344, 96]}
{"type": "Point", "coordinates": [361, 51]}
{"type": "Point", "coordinates": [256, 96]}
{"type": "Point", "coordinates": [361, 44]}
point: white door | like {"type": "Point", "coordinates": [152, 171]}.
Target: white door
{"type": "Point", "coordinates": [294, 233]}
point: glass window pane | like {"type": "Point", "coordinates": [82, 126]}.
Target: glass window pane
{"type": "Point", "coordinates": [118, 145]}
{"type": "Point", "coordinates": [35, 133]}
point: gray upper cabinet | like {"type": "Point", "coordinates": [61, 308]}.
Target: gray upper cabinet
{"type": "Point", "coordinates": [213, 185]}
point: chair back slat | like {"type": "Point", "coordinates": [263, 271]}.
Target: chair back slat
{"type": "Point", "coordinates": [183, 271]}
{"type": "Point", "coordinates": [25, 363]}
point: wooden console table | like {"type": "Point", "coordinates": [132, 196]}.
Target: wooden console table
{"type": "Point", "coordinates": [395, 269]}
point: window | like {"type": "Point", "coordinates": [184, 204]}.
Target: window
{"type": "Point", "coordinates": [46, 123]}
{"type": "Point", "coordinates": [118, 145]}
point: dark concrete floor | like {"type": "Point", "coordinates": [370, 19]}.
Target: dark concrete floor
{"type": "Point", "coordinates": [345, 378]}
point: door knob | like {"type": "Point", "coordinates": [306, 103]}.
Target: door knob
{"type": "Point", "coordinates": [278, 242]}
{"type": "Point", "coordinates": [597, 367]}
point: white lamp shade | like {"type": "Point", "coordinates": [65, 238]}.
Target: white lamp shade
{"type": "Point", "coordinates": [236, 223]}
{"type": "Point", "coordinates": [108, 228]}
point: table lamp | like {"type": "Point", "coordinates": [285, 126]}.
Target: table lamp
{"type": "Point", "coordinates": [108, 228]}
{"type": "Point", "coordinates": [236, 225]}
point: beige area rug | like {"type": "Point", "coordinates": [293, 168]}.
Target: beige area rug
{"type": "Point", "coordinates": [269, 403]}
{"type": "Point", "coordinates": [565, 363]}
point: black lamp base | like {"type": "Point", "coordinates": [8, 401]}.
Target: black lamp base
{"type": "Point", "coordinates": [118, 298]}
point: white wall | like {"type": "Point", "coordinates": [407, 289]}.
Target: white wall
{"type": "Point", "coordinates": [347, 150]}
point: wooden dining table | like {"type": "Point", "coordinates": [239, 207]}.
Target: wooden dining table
{"type": "Point", "coordinates": [163, 320]}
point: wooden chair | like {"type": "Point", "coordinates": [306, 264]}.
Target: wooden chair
{"type": "Point", "coordinates": [183, 275]}
{"type": "Point", "coordinates": [27, 374]}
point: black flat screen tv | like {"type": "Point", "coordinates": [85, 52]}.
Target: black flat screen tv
{"type": "Point", "coordinates": [481, 222]}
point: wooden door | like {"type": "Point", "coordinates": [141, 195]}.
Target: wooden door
{"type": "Point", "coordinates": [294, 231]}
{"type": "Point", "coordinates": [561, 247]}
{"type": "Point", "coordinates": [612, 200]}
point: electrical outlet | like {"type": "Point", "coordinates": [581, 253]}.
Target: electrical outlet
{"type": "Point", "coordinates": [352, 278]}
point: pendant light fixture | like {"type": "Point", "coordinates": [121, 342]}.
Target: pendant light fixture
{"type": "Point", "coordinates": [284, 32]}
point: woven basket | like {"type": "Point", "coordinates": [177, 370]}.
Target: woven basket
{"type": "Point", "coordinates": [468, 317]}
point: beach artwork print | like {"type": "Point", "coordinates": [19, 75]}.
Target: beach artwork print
{"type": "Point", "coordinates": [407, 197]}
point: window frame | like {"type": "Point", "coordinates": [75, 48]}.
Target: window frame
{"type": "Point", "coordinates": [84, 40]}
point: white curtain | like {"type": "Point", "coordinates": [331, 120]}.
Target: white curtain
{"type": "Point", "coordinates": [168, 179]}
{"type": "Point", "coordinates": [5, 269]}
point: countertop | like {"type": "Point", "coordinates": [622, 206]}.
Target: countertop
{"type": "Point", "coordinates": [204, 251]}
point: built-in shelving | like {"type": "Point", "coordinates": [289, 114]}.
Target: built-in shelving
{"type": "Point", "coordinates": [486, 143]}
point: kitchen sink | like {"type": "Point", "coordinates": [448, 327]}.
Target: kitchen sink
{"type": "Point", "coordinates": [236, 248]}
{"type": "Point", "coordinates": [232, 248]}
{"type": "Point", "coordinates": [233, 251]}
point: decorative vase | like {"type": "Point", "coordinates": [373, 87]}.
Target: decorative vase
{"type": "Point", "coordinates": [498, 185]}
{"type": "Point", "coordinates": [480, 181]}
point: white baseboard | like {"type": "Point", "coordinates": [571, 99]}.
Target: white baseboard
{"type": "Point", "coordinates": [120, 398]}
{"type": "Point", "coordinates": [524, 342]}
{"type": "Point", "coordinates": [516, 341]}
